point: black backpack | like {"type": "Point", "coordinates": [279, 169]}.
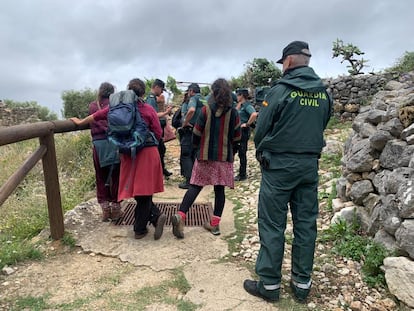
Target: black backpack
{"type": "Point", "coordinates": [126, 129]}
{"type": "Point", "coordinates": [176, 120]}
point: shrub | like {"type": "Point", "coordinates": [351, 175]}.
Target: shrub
{"type": "Point", "coordinates": [404, 63]}
{"type": "Point", "coordinates": [348, 243]}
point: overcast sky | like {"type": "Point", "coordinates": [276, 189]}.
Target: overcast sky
{"type": "Point", "coordinates": [49, 46]}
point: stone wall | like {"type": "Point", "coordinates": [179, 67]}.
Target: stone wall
{"type": "Point", "coordinates": [378, 167]}
{"type": "Point", "coordinates": [14, 116]}
{"type": "Point", "coordinates": [350, 93]}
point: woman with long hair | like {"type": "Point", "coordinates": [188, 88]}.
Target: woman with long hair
{"type": "Point", "coordinates": [214, 134]}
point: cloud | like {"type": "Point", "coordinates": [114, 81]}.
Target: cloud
{"type": "Point", "coordinates": [50, 46]}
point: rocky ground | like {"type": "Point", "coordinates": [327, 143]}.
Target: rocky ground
{"type": "Point", "coordinates": [109, 270]}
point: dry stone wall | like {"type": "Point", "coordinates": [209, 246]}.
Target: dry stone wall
{"type": "Point", "coordinates": [350, 93]}
{"type": "Point", "coordinates": [378, 166]}
{"type": "Point", "coordinates": [15, 116]}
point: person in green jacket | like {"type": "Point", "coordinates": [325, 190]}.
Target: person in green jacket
{"type": "Point", "coordinates": [289, 140]}
{"type": "Point", "coordinates": [248, 116]}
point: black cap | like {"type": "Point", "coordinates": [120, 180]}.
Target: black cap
{"type": "Point", "coordinates": [160, 83]}
{"type": "Point", "coordinates": [195, 87]}
{"type": "Point", "coordinates": [242, 91]}
{"type": "Point", "coordinates": [295, 47]}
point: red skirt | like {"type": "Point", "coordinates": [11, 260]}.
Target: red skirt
{"type": "Point", "coordinates": [141, 176]}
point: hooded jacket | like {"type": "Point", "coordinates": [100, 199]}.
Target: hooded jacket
{"type": "Point", "coordinates": [294, 114]}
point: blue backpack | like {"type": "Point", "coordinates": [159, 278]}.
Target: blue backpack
{"type": "Point", "coordinates": [126, 129]}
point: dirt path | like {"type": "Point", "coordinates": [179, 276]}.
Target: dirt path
{"type": "Point", "coordinates": [110, 270]}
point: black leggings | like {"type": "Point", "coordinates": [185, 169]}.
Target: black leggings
{"type": "Point", "coordinates": [145, 211]}
{"type": "Point", "coordinates": [192, 193]}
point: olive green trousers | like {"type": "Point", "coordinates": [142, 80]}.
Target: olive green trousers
{"type": "Point", "coordinates": [291, 180]}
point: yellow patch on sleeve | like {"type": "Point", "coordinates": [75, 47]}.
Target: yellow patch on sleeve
{"type": "Point", "coordinates": [264, 103]}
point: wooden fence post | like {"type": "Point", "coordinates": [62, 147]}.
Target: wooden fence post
{"type": "Point", "coordinates": [50, 171]}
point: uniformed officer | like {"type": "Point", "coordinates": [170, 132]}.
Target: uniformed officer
{"type": "Point", "coordinates": [190, 112]}
{"type": "Point", "coordinates": [157, 87]}
{"type": "Point", "coordinates": [248, 116]}
{"type": "Point", "coordinates": [289, 140]}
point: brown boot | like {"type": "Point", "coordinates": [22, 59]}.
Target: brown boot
{"type": "Point", "coordinates": [116, 212]}
{"type": "Point", "coordinates": [178, 226]}
{"type": "Point", "coordinates": [106, 211]}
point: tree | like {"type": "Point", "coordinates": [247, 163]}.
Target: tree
{"type": "Point", "coordinates": [348, 52]}
{"type": "Point", "coordinates": [171, 85]}
{"type": "Point", "coordinates": [76, 103]}
{"type": "Point", "coordinates": [42, 113]}
{"type": "Point", "coordinates": [259, 72]}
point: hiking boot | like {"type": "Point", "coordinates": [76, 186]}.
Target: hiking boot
{"type": "Point", "coordinates": [184, 185]}
{"type": "Point", "coordinates": [139, 236]}
{"type": "Point", "coordinates": [178, 226]}
{"type": "Point", "coordinates": [300, 294]}
{"type": "Point", "coordinates": [106, 211]}
{"type": "Point", "coordinates": [256, 288]}
{"type": "Point", "coordinates": [240, 178]}
{"type": "Point", "coordinates": [213, 229]}
{"type": "Point", "coordinates": [159, 227]}
{"type": "Point", "coordinates": [116, 212]}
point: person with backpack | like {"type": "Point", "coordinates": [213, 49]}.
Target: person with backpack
{"type": "Point", "coordinates": [105, 159]}
{"type": "Point", "coordinates": [140, 172]}
{"type": "Point", "coordinates": [214, 134]}
{"type": "Point", "coordinates": [177, 118]}
{"type": "Point", "coordinates": [157, 87]}
{"type": "Point", "coordinates": [190, 112]}
{"type": "Point", "coordinates": [248, 116]}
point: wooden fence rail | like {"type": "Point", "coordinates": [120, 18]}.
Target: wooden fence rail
{"type": "Point", "coordinates": [46, 152]}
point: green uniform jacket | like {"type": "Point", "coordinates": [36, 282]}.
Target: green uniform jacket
{"type": "Point", "coordinates": [294, 114]}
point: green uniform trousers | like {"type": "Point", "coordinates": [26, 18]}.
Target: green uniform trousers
{"type": "Point", "coordinates": [290, 180]}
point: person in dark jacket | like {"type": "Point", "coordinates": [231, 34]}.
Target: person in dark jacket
{"type": "Point", "coordinates": [105, 159]}
{"type": "Point", "coordinates": [289, 140]}
{"type": "Point", "coordinates": [190, 112]}
{"type": "Point", "coordinates": [248, 116]}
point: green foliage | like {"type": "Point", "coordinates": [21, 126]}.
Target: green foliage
{"type": "Point", "coordinates": [348, 53]}
{"type": "Point", "coordinates": [236, 82]}
{"type": "Point", "coordinates": [171, 85]}
{"type": "Point", "coordinates": [42, 113]}
{"type": "Point", "coordinates": [374, 258]}
{"type": "Point", "coordinates": [404, 64]}
{"type": "Point", "coordinates": [148, 84]}
{"type": "Point", "coordinates": [68, 240]}
{"type": "Point", "coordinates": [76, 103]}
{"type": "Point", "coordinates": [348, 243]}
{"type": "Point", "coordinates": [259, 72]}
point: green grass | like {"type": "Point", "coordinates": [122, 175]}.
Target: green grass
{"type": "Point", "coordinates": [24, 214]}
